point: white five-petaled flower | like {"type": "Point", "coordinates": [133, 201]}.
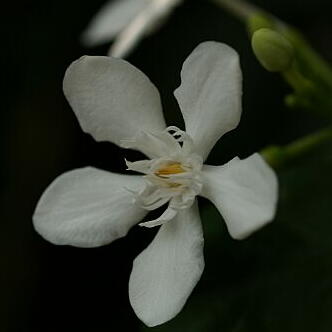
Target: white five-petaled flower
{"type": "Point", "coordinates": [128, 21]}
{"type": "Point", "coordinates": [87, 207]}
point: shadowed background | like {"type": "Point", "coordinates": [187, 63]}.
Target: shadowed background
{"type": "Point", "coordinates": [280, 279]}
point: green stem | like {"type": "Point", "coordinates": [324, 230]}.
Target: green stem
{"type": "Point", "coordinates": [242, 9]}
{"type": "Point", "coordinates": [307, 95]}
{"type": "Point", "coordinates": [309, 60]}
{"type": "Point", "coordinates": [299, 83]}
{"type": "Point", "coordinates": [279, 156]}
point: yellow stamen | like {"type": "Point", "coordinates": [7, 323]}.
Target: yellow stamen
{"type": "Point", "coordinates": [175, 168]}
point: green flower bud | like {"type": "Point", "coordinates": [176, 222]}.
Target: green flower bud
{"type": "Point", "coordinates": [258, 21]}
{"type": "Point", "coordinates": [273, 51]}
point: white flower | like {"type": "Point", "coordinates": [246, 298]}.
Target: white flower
{"type": "Point", "coordinates": [87, 207]}
{"type": "Point", "coordinates": [128, 21]}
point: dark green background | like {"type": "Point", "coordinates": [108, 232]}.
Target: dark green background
{"type": "Point", "coordinates": [280, 279]}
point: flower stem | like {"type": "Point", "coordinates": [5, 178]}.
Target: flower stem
{"type": "Point", "coordinates": [242, 9]}
{"type": "Point", "coordinates": [279, 156]}
{"type": "Point", "coordinates": [308, 59]}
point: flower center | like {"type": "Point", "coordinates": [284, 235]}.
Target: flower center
{"type": "Point", "coordinates": [173, 168]}
{"type": "Point", "coordinates": [172, 176]}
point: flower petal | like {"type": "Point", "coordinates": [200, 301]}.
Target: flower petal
{"type": "Point", "coordinates": [166, 272]}
{"type": "Point", "coordinates": [88, 207]}
{"type": "Point", "coordinates": [159, 144]}
{"type": "Point", "coordinates": [168, 215]}
{"type": "Point", "coordinates": [113, 17]}
{"type": "Point", "coordinates": [244, 191]}
{"type": "Point", "coordinates": [148, 20]}
{"type": "Point", "coordinates": [210, 93]}
{"type": "Point", "coordinates": [112, 99]}
{"type": "Point", "coordinates": [133, 32]}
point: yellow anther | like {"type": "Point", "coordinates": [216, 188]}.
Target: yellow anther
{"type": "Point", "coordinates": [175, 168]}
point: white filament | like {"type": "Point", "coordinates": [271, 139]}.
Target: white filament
{"type": "Point", "coordinates": [173, 176]}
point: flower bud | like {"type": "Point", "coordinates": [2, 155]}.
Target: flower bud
{"type": "Point", "coordinates": [273, 51]}
{"type": "Point", "coordinates": [259, 21]}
